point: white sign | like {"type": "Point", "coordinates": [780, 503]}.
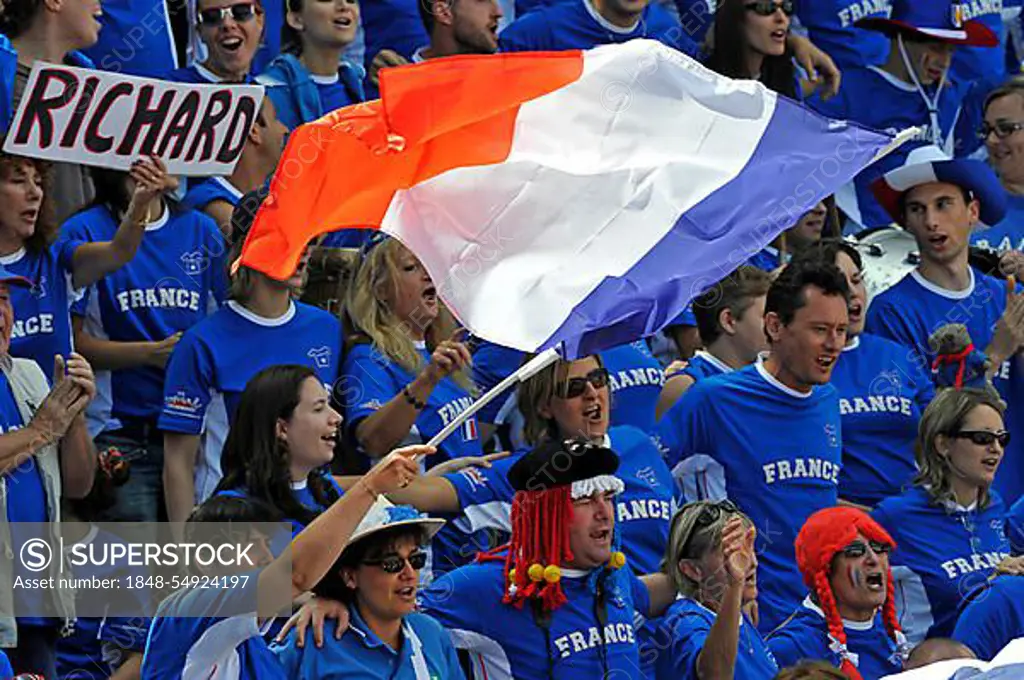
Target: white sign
{"type": "Point", "coordinates": [78, 115]}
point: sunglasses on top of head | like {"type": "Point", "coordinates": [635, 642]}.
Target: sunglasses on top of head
{"type": "Point", "coordinates": [984, 437]}
{"type": "Point", "coordinates": [574, 387]}
{"type": "Point", "coordinates": [240, 13]}
{"type": "Point", "coordinates": [394, 564]}
{"type": "Point", "coordinates": [766, 8]}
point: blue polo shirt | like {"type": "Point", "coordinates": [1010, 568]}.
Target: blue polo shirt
{"type": "Point", "coordinates": [682, 633]}
{"type": "Point", "coordinates": [805, 636]}
{"type": "Point", "coordinates": [426, 652]}
{"type": "Point", "coordinates": [945, 551]}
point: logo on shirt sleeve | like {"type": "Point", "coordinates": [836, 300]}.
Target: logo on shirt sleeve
{"type": "Point", "coordinates": [182, 403]}
{"type": "Point", "coordinates": [373, 405]}
{"type": "Point", "coordinates": [321, 356]}
{"type": "Point", "coordinates": [476, 479]}
{"type": "Point", "coordinates": [194, 262]}
{"type": "Point", "coordinates": [832, 435]}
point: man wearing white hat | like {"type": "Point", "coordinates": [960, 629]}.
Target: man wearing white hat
{"type": "Point", "coordinates": [940, 201]}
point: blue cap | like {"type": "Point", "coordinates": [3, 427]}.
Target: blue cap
{"type": "Point", "coordinates": [940, 20]}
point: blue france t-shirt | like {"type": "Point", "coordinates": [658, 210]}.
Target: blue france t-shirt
{"type": "Point", "coordinates": [682, 633]}
{"type": "Point", "coordinates": [26, 502]}
{"type": "Point", "coordinates": [136, 39]}
{"type": "Point", "coordinates": [506, 643]}
{"type": "Point", "coordinates": [895, 106]}
{"type": "Point", "coordinates": [992, 617]}
{"type": "Point", "coordinates": [175, 280]}
{"type": "Point", "coordinates": [830, 26]}
{"type": "Point", "coordinates": [42, 317]}
{"type": "Point", "coordinates": [882, 394]}
{"type": "Point", "coordinates": [912, 309]}
{"type": "Point", "coordinates": [302, 493]}
{"type": "Point", "coordinates": [944, 551]}
{"type": "Point", "coordinates": [1007, 234]}
{"type": "Point", "coordinates": [805, 636]}
{"type": "Point", "coordinates": [201, 192]}
{"type": "Point", "coordinates": [216, 358]}
{"type": "Point", "coordinates": [369, 380]}
{"type": "Point", "coordinates": [176, 641]}
{"type": "Point", "coordinates": [778, 475]}
{"type": "Point", "coordinates": [578, 26]}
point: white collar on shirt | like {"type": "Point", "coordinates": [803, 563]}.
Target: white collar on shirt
{"type": "Point", "coordinates": [852, 625]}
{"type": "Point", "coordinates": [300, 485]}
{"type": "Point", "coordinates": [604, 23]}
{"type": "Point", "coordinates": [853, 344]}
{"type": "Point", "coordinates": [945, 292]}
{"type": "Point", "coordinates": [774, 382]}
{"type": "Point", "coordinates": [262, 320]}
{"type": "Point", "coordinates": [714, 361]}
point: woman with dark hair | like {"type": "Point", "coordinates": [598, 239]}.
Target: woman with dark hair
{"type": "Point", "coordinates": [309, 79]}
{"type": "Point", "coordinates": [882, 394]}
{"type": "Point", "coordinates": [129, 321]}
{"type": "Point", "coordinates": [949, 525]}
{"type": "Point", "coordinates": [377, 576]}
{"type": "Point", "coordinates": [60, 268]}
{"type": "Point", "coordinates": [280, 444]}
{"type": "Point", "coordinates": [749, 42]}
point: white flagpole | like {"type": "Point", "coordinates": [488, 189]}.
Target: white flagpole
{"type": "Point", "coordinates": [530, 368]}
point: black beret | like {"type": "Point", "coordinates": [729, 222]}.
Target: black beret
{"type": "Point", "coordinates": [560, 463]}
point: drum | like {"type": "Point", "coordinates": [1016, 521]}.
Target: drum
{"type": "Point", "coordinates": [888, 254]}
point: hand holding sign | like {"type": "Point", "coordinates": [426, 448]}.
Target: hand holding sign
{"type": "Point", "coordinates": [151, 182]}
{"type": "Point", "coordinates": [77, 115]}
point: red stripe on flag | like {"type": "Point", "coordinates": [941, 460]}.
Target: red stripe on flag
{"type": "Point", "coordinates": [344, 169]}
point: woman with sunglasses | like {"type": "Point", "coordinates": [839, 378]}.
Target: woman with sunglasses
{"type": "Point", "coordinates": [949, 525]}
{"type": "Point", "coordinates": [231, 32]}
{"type": "Point", "coordinates": [309, 79]}
{"type": "Point", "coordinates": [705, 634]}
{"type": "Point", "coordinates": [849, 617]}
{"type": "Point", "coordinates": [405, 372]}
{"type": "Point", "coordinates": [281, 443]}
{"type": "Point", "coordinates": [1003, 135]}
{"type": "Point", "coordinates": [882, 394]}
{"type": "Point", "coordinates": [749, 42]}
{"type": "Point", "coordinates": [377, 576]}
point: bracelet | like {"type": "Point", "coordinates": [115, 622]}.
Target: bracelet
{"type": "Point", "coordinates": [416, 404]}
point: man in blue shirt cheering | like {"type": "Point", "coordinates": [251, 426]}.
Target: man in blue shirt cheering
{"type": "Point", "coordinates": [726, 438]}
{"type": "Point", "coordinates": [565, 596]}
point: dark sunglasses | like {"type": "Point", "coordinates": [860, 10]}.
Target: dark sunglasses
{"type": "Point", "coordinates": [241, 13]}
{"type": "Point", "coordinates": [860, 548]}
{"type": "Point", "coordinates": [766, 8]}
{"type": "Point", "coordinates": [709, 514]}
{"type": "Point", "coordinates": [574, 387]}
{"type": "Point", "coordinates": [394, 564]}
{"type": "Point", "coordinates": [1003, 129]}
{"type": "Point", "coordinates": [984, 437]}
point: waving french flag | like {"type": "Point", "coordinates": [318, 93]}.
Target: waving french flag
{"type": "Point", "coordinates": [579, 199]}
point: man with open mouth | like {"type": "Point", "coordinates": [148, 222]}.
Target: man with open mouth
{"type": "Point", "coordinates": [849, 617]}
{"type": "Point", "coordinates": [939, 201]}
